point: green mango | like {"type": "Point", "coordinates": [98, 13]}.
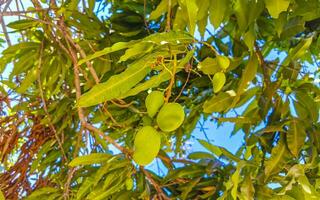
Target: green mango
{"type": "Point", "coordinates": [146, 145]}
{"type": "Point", "coordinates": [154, 101]}
{"type": "Point", "coordinates": [170, 117]}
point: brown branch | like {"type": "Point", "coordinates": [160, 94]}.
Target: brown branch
{"type": "Point", "coordinates": [172, 81]}
{"type": "Point", "coordinates": [3, 25]}
{"type": "Point", "coordinates": [168, 26]}
{"type": "Point", "coordinates": [263, 65]}
{"type": "Point", "coordinates": [185, 83]}
{"type": "Point", "coordinates": [83, 55]}
{"type": "Point", "coordinates": [156, 186]}
{"type": "Point", "coordinates": [19, 13]}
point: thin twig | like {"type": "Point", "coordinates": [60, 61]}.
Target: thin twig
{"type": "Point", "coordinates": [184, 85]}
{"type": "Point", "coordinates": [168, 26]}
{"type": "Point", "coordinates": [172, 81]}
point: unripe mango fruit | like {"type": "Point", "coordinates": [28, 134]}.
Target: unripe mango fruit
{"type": "Point", "coordinates": [170, 117]}
{"type": "Point", "coordinates": [146, 145]}
{"type": "Point", "coordinates": [153, 102]}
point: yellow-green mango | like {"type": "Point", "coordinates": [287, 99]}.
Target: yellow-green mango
{"type": "Point", "coordinates": [146, 145]}
{"type": "Point", "coordinates": [154, 101]}
{"type": "Point", "coordinates": [170, 117]}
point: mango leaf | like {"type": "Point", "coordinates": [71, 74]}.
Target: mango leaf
{"type": "Point", "coordinates": [192, 10]}
{"type": "Point", "coordinates": [161, 9]}
{"type": "Point", "coordinates": [118, 85]}
{"type": "Point", "coordinates": [275, 7]}
{"type": "Point", "coordinates": [218, 103]}
{"type": "Point", "coordinates": [180, 21]}
{"type": "Point", "coordinates": [237, 120]}
{"type": "Point", "coordinates": [200, 155]}
{"type": "Point", "coordinates": [218, 81]}
{"type": "Point", "coordinates": [235, 178]}
{"type": "Point", "coordinates": [249, 38]}
{"type": "Point", "coordinates": [23, 24]}
{"type": "Point", "coordinates": [90, 159]}
{"type": "Point", "coordinates": [172, 37]}
{"type": "Point", "coordinates": [247, 95]}
{"type": "Point", "coordinates": [309, 104]}
{"type": "Point", "coordinates": [248, 74]}
{"type": "Point", "coordinates": [2, 196]}
{"type": "Point", "coordinates": [218, 10]}
{"type": "Point", "coordinates": [85, 187]}
{"type": "Point", "coordinates": [247, 189]}
{"type": "Point", "coordinates": [297, 51]}
{"type": "Point", "coordinates": [189, 188]}
{"type": "Point", "coordinates": [210, 147]}
{"type": "Point", "coordinates": [116, 47]}
{"type": "Point", "coordinates": [229, 155]}
{"type": "Point", "coordinates": [157, 38]}
{"type": "Point", "coordinates": [279, 156]}
{"type": "Point", "coordinates": [247, 12]}
{"type": "Point", "coordinates": [156, 80]}
{"type": "Point", "coordinates": [28, 80]}
{"type": "Point", "coordinates": [295, 136]}
{"type": "Point", "coordinates": [40, 193]}
{"type": "Point", "coordinates": [292, 27]}
{"type": "Point", "coordinates": [138, 49]}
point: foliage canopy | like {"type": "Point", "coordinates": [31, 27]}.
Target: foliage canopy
{"type": "Point", "coordinates": [76, 77]}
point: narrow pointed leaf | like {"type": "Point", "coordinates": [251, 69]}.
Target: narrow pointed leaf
{"type": "Point", "coordinates": [90, 159]}
{"type": "Point", "coordinates": [275, 7]}
{"type": "Point", "coordinates": [295, 136]}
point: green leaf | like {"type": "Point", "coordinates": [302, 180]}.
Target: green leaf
{"type": "Point", "coordinates": [275, 7]}
{"type": "Point", "coordinates": [250, 38]}
{"type": "Point", "coordinates": [237, 120]}
{"type": "Point", "coordinates": [192, 10]}
{"type": "Point", "coordinates": [218, 103]}
{"type": "Point", "coordinates": [45, 191]}
{"type": "Point", "coordinates": [200, 155]}
{"type": "Point", "coordinates": [28, 80]}
{"type": "Point", "coordinates": [136, 50]}
{"type": "Point", "coordinates": [294, 26]}
{"type": "Point", "coordinates": [297, 51]}
{"type": "Point", "coordinates": [308, 104]}
{"type": "Point", "coordinates": [235, 178]}
{"type": "Point", "coordinates": [2, 196]}
{"type": "Point", "coordinates": [116, 47]}
{"type": "Point", "coordinates": [189, 188]}
{"type": "Point", "coordinates": [85, 187]}
{"type": "Point", "coordinates": [161, 9]}
{"type": "Point", "coordinates": [279, 156]}
{"type": "Point", "coordinates": [156, 80]}
{"type": "Point", "coordinates": [296, 136]}
{"type": "Point", "coordinates": [248, 74]}
{"type": "Point", "coordinates": [210, 147]}
{"type": "Point", "coordinates": [23, 24]}
{"type": "Point", "coordinates": [218, 81]}
{"type": "Point", "coordinates": [118, 85]}
{"type": "Point", "coordinates": [247, 12]}
{"type": "Point", "coordinates": [229, 155]}
{"type": "Point", "coordinates": [90, 159]}
{"type": "Point", "coordinates": [247, 189]}
{"type": "Point", "coordinates": [218, 10]}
